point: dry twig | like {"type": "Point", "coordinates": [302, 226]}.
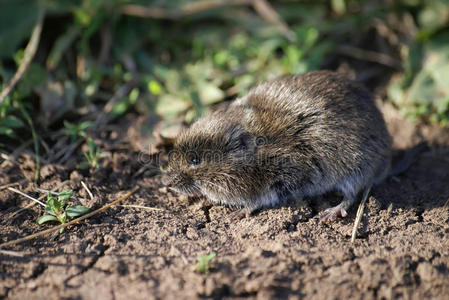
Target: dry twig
{"type": "Point", "coordinates": [11, 184]}
{"type": "Point", "coordinates": [359, 214]}
{"type": "Point", "coordinates": [267, 12]}
{"type": "Point", "coordinates": [141, 207]}
{"type": "Point", "coordinates": [25, 195]}
{"type": "Point", "coordinates": [368, 55]}
{"type": "Point", "coordinates": [11, 253]}
{"type": "Point", "coordinates": [28, 55]}
{"type": "Point", "coordinates": [189, 9]}
{"type": "Point", "coordinates": [87, 189]}
{"type": "Point", "coordinates": [119, 94]}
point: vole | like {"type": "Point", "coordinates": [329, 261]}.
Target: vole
{"type": "Point", "coordinates": [297, 136]}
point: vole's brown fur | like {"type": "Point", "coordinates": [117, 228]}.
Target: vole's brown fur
{"type": "Point", "coordinates": [297, 136]}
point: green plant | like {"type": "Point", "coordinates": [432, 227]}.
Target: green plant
{"type": "Point", "coordinates": [94, 155]}
{"type": "Point", "coordinates": [8, 122]}
{"type": "Point", "coordinates": [203, 264]}
{"type": "Point", "coordinates": [58, 210]}
{"type": "Point", "coordinates": [422, 90]}
{"type": "Point", "coordinates": [76, 131]}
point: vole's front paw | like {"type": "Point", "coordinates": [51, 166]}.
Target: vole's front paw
{"type": "Point", "coordinates": [331, 214]}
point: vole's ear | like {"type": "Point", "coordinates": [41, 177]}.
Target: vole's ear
{"type": "Point", "coordinates": [242, 140]}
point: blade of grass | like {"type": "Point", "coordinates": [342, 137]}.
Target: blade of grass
{"type": "Point", "coordinates": [35, 141]}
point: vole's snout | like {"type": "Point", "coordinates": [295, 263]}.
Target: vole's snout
{"type": "Point", "coordinates": [167, 178]}
{"type": "Point", "coordinates": [180, 183]}
{"type": "Point", "coordinates": [175, 179]}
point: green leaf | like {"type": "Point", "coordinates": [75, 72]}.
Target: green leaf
{"type": "Point", "coordinates": [6, 131]}
{"type": "Point", "coordinates": [339, 6]}
{"type": "Point", "coordinates": [170, 106]}
{"type": "Point", "coordinates": [54, 206]}
{"type": "Point", "coordinates": [154, 87]}
{"type": "Point", "coordinates": [46, 218]}
{"type": "Point", "coordinates": [61, 45]}
{"type": "Point", "coordinates": [63, 218]}
{"type": "Point", "coordinates": [49, 209]}
{"type": "Point", "coordinates": [12, 122]}
{"type": "Point", "coordinates": [50, 200]}
{"type": "Point", "coordinates": [203, 264]}
{"type": "Point", "coordinates": [120, 108]}
{"type": "Point", "coordinates": [209, 93]}
{"type": "Point", "coordinates": [76, 210]}
{"type": "Point", "coordinates": [65, 195]}
{"type": "Point", "coordinates": [17, 18]}
{"type": "Point", "coordinates": [91, 146]}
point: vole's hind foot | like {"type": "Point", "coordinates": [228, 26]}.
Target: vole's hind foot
{"type": "Point", "coordinates": [240, 214]}
{"type": "Point", "coordinates": [331, 214]}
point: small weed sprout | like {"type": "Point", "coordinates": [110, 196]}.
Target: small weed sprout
{"type": "Point", "coordinates": [93, 156]}
{"type": "Point", "coordinates": [58, 210]}
{"type": "Point", "coordinates": [75, 131]}
{"type": "Point", "coordinates": [204, 262]}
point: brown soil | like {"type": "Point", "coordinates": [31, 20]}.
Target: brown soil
{"type": "Point", "coordinates": [402, 251]}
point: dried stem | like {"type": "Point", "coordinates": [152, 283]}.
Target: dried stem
{"type": "Point", "coordinates": [87, 190]}
{"type": "Point", "coordinates": [25, 195]}
{"type": "Point", "coordinates": [28, 55]}
{"type": "Point", "coordinates": [359, 214]}
{"type": "Point", "coordinates": [189, 9]}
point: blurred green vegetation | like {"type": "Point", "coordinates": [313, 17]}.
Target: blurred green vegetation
{"type": "Point", "coordinates": [97, 57]}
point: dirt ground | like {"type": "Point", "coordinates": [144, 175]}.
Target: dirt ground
{"type": "Point", "coordinates": [402, 250]}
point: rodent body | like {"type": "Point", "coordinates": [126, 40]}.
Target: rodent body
{"type": "Point", "coordinates": [297, 136]}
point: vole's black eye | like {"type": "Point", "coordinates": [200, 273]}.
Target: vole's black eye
{"type": "Point", "coordinates": [193, 159]}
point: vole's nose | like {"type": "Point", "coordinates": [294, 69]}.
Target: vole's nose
{"type": "Point", "coordinates": [167, 178]}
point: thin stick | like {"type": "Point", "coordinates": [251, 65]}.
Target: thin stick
{"type": "Point", "coordinates": [142, 207]}
{"type": "Point", "coordinates": [119, 94]}
{"type": "Point", "coordinates": [56, 228]}
{"type": "Point", "coordinates": [28, 55]}
{"type": "Point", "coordinates": [11, 184]}
{"type": "Point", "coordinates": [87, 189]}
{"type": "Point", "coordinates": [25, 195]}
{"type": "Point", "coordinates": [359, 214]}
{"type": "Point", "coordinates": [171, 14]}
{"type": "Point", "coordinates": [267, 12]}
{"type": "Point", "coordinates": [369, 55]}
{"type": "Point", "coordinates": [47, 191]}
{"type": "Point", "coordinates": [11, 253]}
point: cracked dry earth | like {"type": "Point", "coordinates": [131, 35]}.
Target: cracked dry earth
{"type": "Point", "coordinates": [402, 251]}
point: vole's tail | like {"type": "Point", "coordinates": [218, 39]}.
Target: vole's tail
{"type": "Point", "coordinates": [402, 164]}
